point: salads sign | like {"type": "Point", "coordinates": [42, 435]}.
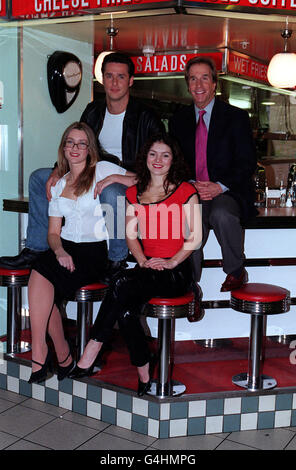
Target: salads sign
{"type": "Point", "coordinates": [169, 63]}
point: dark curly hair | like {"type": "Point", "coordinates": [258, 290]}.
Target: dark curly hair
{"type": "Point", "coordinates": [178, 171]}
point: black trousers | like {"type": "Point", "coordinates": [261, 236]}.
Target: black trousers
{"type": "Point", "coordinates": [124, 301]}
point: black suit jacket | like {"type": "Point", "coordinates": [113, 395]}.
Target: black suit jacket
{"type": "Point", "coordinates": [231, 157]}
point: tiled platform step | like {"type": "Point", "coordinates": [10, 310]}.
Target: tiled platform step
{"type": "Point", "coordinates": [185, 416]}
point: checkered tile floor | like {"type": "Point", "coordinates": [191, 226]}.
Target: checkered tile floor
{"type": "Point", "coordinates": [29, 424]}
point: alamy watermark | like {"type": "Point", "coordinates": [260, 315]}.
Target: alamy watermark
{"type": "Point", "coordinates": [292, 356]}
{"type": "Point", "coordinates": [154, 222]}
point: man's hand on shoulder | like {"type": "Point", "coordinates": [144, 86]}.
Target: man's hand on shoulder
{"type": "Point", "coordinates": [207, 190]}
{"type": "Point", "coordinates": [52, 181]}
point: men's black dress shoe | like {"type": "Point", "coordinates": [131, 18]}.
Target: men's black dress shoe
{"type": "Point", "coordinates": [113, 268]}
{"type": "Point", "coordinates": [232, 283]}
{"type": "Point", "coordinates": [22, 261]}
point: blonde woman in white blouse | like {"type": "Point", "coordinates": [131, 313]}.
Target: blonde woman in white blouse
{"type": "Point", "coordinates": [78, 249]}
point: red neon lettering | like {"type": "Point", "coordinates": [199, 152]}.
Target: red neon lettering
{"type": "Point", "coordinates": [58, 5]}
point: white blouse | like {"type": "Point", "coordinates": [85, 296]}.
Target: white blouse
{"type": "Point", "coordinates": [84, 220]}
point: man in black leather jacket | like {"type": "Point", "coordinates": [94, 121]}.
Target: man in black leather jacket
{"type": "Point", "coordinates": [138, 124]}
{"type": "Point", "coordinates": [128, 123]}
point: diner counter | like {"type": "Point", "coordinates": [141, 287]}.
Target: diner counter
{"type": "Point", "coordinates": [270, 258]}
{"type": "Point", "coordinates": [275, 217]}
{"type": "Point", "coordinates": [16, 205]}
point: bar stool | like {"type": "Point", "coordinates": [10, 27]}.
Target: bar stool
{"type": "Point", "coordinates": [259, 300]}
{"type": "Point", "coordinates": [167, 310]}
{"type": "Point", "coordinates": [85, 296]}
{"type": "Point", "coordinates": [14, 280]}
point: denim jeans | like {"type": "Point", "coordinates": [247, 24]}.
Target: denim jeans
{"type": "Point", "coordinates": [113, 203]}
{"type": "Point", "coordinates": [38, 210]}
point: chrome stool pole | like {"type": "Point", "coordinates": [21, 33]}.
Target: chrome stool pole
{"type": "Point", "coordinates": [163, 387]}
{"type": "Point", "coordinates": [14, 280]}
{"type": "Point", "coordinates": [259, 300]}
{"type": "Point", "coordinates": [85, 296]}
{"type": "Point", "coordinates": [166, 311]}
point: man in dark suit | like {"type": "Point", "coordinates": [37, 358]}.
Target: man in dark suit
{"type": "Point", "coordinates": [224, 184]}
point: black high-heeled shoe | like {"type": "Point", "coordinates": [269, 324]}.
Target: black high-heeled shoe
{"type": "Point", "coordinates": [62, 372]}
{"type": "Point", "coordinates": [41, 374]}
{"type": "Point", "coordinates": [143, 387]}
{"type": "Point", "coordinates": [78, 372]}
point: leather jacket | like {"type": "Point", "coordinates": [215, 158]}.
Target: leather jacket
{"type": "Point", "coordinates": [139, 124]}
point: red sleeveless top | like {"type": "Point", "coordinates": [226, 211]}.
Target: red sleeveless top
{"type": "Point", "coordinates": [162, 224]}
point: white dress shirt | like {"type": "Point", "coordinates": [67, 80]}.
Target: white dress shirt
{"type": "Point", "coordinates": [84, 220]}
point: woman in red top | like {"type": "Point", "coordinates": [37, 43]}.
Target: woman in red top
{"type": "Point", "coordinates": [164, 209]}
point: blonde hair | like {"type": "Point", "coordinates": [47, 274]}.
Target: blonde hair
{"type": "Point", "coordinates": [86, 177]}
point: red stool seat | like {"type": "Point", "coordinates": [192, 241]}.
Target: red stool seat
{"type": "Point", "coordinates": [14, 272]}
{"type": "Point", "coordinates": [95, 286]}
{"type": "Point", "coordinates": [175, 307]}
{"type": "Point", "coordinates": [260, 299]}
{"type": "Point", "coordinates": [258, 292]}
{"type": "Point", "coordinates": [184, 299]}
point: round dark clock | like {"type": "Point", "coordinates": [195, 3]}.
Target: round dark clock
{"type": "Point", "coordinates": [64, 74]}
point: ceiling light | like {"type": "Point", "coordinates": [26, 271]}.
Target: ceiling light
{"type": "Point", "coordinates": [243, 104]}
{"type": "Point", "coordinates": [268, 103]}
{"type": "Point", "coordinates": [112, 32]}
{"type": "Point", "coordinates": [281, 72]}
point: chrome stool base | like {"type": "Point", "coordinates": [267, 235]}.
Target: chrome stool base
{"type": "Point", "coordinates": [242, 380]}
{"type": "Point", "coordinates": [20, 348]}
{"type": "Point", "coordinates": [212, 343]}
{"type": "Point", "coordinates": [176, 389]}
{"type": "Point", "coordinates": [282, 339]}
